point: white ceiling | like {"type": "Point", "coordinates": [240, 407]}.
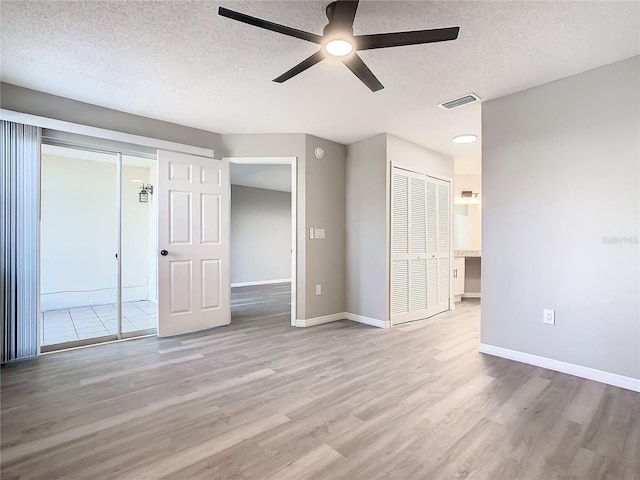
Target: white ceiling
{"type": "Point", "coordinates": [271, 177]}
{"type": "Point", "coordinates": [181, 62]}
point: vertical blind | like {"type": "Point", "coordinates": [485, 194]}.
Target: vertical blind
{"type": "Point", "coordinates": [19, 212]}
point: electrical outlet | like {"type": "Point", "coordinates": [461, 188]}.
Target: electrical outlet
{"type": "Point", "coordinates": [549, 316]}
{"type": "Point", "coordinates": [318, 289]}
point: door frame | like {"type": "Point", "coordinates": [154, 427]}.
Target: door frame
{"type": "Point", "coordinates": [443, 178]}
{"type": "Point", "coordinates": [293, 161]}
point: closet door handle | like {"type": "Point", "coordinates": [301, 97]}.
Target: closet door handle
{"type": "Point", "coordinates": [164, 253]}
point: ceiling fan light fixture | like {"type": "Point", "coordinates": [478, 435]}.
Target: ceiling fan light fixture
{"type": "Point", "coordinates": [339, 47]}
{"type": "Point", "coordinates": [466, 138]}
{"type": "Point", "coordinates": [337, 40]}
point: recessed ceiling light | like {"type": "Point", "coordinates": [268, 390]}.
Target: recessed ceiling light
{"type": "Point", "coordinates": [467, 138]}
{"type": "Point", "coordinates": [338, 47]}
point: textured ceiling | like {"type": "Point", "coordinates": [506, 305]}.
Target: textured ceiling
{"type": "Point", "coordinates": [269, 176]}
{"type": "Point", "coordinates": [181, 62]}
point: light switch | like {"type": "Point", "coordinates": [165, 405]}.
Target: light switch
{"type": "Point", "coordinates": [319, 233]}
{"type": "Point", "coordinates": [311, 236]}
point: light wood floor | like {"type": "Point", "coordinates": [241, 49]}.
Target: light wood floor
{"type": "Point", "coordinates": [263, 400]}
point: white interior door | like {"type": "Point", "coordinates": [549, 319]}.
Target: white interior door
{"type": "Point", "coordinates": [420, 251]}
{"type": "Point", "coordinates": [193, 243]}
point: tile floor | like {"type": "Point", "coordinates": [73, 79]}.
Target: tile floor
{"type": "Point", "coordinates": [68, 325]}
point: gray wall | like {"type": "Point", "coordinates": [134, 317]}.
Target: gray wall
{"type": "Point", "coordinates": [42, 104]}
{"type": "Point", "coordinates": [279, 145]}
{"type": "Point", "coordinates": [368, 215]}
{"type": "Point", "coordinates": [366, 227]}
{"type": "Point", "coordinates": [321, 204]}
{"type": "Point", "coordinates": [260, 234]}
{"type": "Point", "coordinates": [264, 145]}
{"type": "Point", "coordinates": [325, 208]}
{"type": "Point", "coordinates": [561, 179]}
{"type": "Point", "coordinates": [325, 179]}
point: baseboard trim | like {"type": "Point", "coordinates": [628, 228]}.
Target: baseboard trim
{"type": "Point", "coordinates": [334, 317]}
{"type": "Point", "coordinates": [310, 322]}
{"type": "Point", "coordinates": [614, 379]}
{"type": "Point", "coordinates": [260, 282]}
{"type": "Point", "coordinates": [374, 322]}
{"type": "Point", "coordinates": [471, 295]}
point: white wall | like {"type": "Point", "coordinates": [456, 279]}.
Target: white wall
{"type": "Point", "coordinates": [78, 233]}
{"type": "Point", "coordinates": [561, 219]}
{"type": "Point", "coordinates": [260, 235]}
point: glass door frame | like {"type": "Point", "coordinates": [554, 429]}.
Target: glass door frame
{"type": "Point", "coordinates": [119, 243]}
{"type": "Point", "coordinates": [120, 334]}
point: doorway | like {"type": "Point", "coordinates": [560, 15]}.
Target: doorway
{"type": "Point", "coordinates": [263, 238]}
{"type": "Point", "coordinates": [98, 267]}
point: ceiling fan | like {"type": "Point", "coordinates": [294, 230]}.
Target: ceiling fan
{"type": "Point", "coordinates": [338, 40]}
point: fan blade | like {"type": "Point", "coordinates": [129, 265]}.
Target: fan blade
{"type": "Point", "coordinates": [301, 67]}
{"type": "Point", "coordinates": [274, 27]}
{"type": "Point", "coordinates": [399, 39]}
{"type": "Point", "coordinates": [360, 69]}
{"type": "Point", "coordinates": [345, 13]}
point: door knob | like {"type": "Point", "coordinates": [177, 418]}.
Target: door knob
{"type": "Point", "coordinates": [164, 253]}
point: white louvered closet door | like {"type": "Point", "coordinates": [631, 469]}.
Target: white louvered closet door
{"type": "Point", "coordinates": [419, 246]}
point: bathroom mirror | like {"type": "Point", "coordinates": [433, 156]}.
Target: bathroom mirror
{"type": "Point", "coordinates": [467, 227]}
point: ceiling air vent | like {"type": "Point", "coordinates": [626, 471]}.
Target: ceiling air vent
{"type": "Point", "coordinates": [458, 102]}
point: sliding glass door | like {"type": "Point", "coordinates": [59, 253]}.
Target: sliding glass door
{"type": "Point", "coordinates": [97, 247]}
{"type": "Point", "coordinates": [139, 259]}
{"type": "Point", "coordinates": [78, 280]}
